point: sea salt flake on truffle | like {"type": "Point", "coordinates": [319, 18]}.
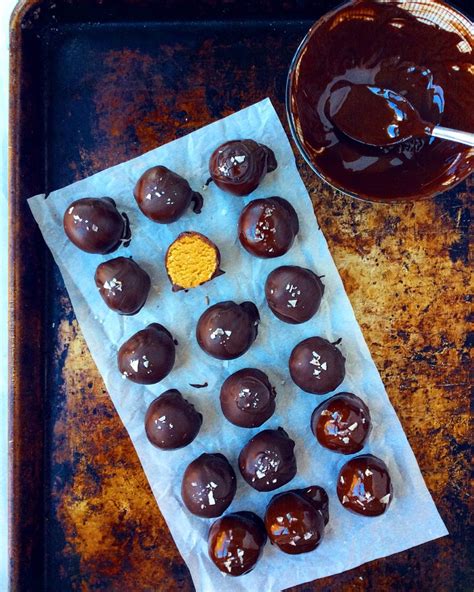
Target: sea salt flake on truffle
{"type": "Point", "coordinates": [134, 365]}
{"type": "Point", "coordinates": [353, 426]}
{"type": "Point", "coordinates": [385, 499]}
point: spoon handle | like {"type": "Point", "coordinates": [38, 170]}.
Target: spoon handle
{"type": "Point", "coordinates": [446, 133]}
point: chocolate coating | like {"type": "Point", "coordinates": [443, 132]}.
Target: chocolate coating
{"type": "Point", "coordinates": [293, 293]}
{"type": "Point", "coordinates": [208, 485]}
{"type": "Point", "coordinates": [317, 366]}
{"type": "Point", "coordinates": [267, 461]}
{"type": "Point", "coordinates": [236, 542]}
{"type": "Point", "coordinates": [226, 330]}
{"type": "Point", "coordinates": [295, 520]}
{"type": "Point", "coordinates": [247, 398]}
{"type": "Point", "coordinates": [268, 227]}
{"type": "Point", "coordinates": [164, 196]}
{"type": "Point", "coordinates": [239, 166]}
{"type": "Point", "coordinates": [95, 225]}
{"type": "Point", "coordinates": [148, 356]}
{"type": "Point", "coordinates": [342, 423]}
{"type": "Point", "coordinates": [123, 285]}
{"type": "Point", "coordinates": [171, 421]}
{"type": "Point", "coordinates": [364, 486]}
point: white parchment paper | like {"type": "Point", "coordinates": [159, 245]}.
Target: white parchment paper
{"type": "Point", "coordinates": [350, 540]}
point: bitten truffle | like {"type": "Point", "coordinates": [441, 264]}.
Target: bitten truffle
{"type": "Point", "coordinates": [208, 485]}
{"type": "Point", "coordinates": [239, 166]}
{"type": "Point", "coordinates": [317, 366]}
{"type": "Point", "coordinates": [123, 285]}
{"type": "Point", "coordinates": [227, 330]}
{"type": "Point", "coordinates": [295, 520]}
{"type": "Point", "coordinates": [268, 227]}
{"type": "Point", "coordinates": [293, 293]}
{"type": "Point", "coordinates": [148, 356]}
{"type": "Point", "coordinates": [247, 398]}
{"type": "Point", "coordinates": [164, 196]}
{"type": "Point", "coordinates": [364, 486]}
{"type": "Point", "coordinates": [95, 225]}
{"type": "Point", "coordinates": [267, 461]}
{"type": "Point", "coordinates": [236, 542]}
{"type": "Point", "coordinates": [342, 423]}
{"type": "Point", "coordinates": [171, 421]}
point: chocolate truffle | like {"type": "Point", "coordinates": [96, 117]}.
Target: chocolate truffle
{"type": "Point", "coordinates": [171, 421]}
{"type": "Point", "coordinates": [317, 366]}
{"type": "Point", "coordinates": [95, 225]}
{"type": "Point", "coordinates": [123, 285]}
{"type": "Point", "coordinates": [293, 293]}
{"type": "Point", "coordinates": [236, 542]}
{"type": "Point", "coordinates": [209, 485]}
{"type": "Point", "coordinates": [295, 520]}
{"type": "Point", "coordinates": [342, 423]}
{"type": "Point", "coordinates": [226, 330]}
{"type": "Point", "coordinates": [248, 398]}
{"type": "Point", "coordinates": [238, 166]}
{"type": "Point", "coordinates": [267, 461]}
{"type": "Point", "coordinates": [148, 356]}
{"type": "Point", "coordinates": [364, 486]}
{"type": "Point", "coordinates": [164, 196]}
{"type": "Point", "coordinates": [267, 227]}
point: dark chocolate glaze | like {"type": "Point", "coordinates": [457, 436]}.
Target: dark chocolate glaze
{"type": "Point", "coordinates": [164, 196]}
{"type": "Point", "coordinates": [239, 166]}
{"type": "Point", "coordinates": [171, 421]}
{"type": "Point", "coordinates": [268, 461]}
{"type": "Point", "coordinates": [95, 225]}
{"type": "Point", "coordinates": [236, 542]}
{"type": "Point", "coordinates": [123, 285]}
{"type": "Point", "coordinates": [148, 356]}
{"type": "Point", "coordinates": [317, 366]}
{"type": "Point", "coordinates": [268, 227]}
{"type": "Point", "coordinates": [208, 485]}
{"type": "Point", "coordinates": [247, 398]}
{"type": "Point", "coordinates": [293, 293]}
{"type": "Point", "coordinates": [364, 486]}
{"type": "Point", "coordinates": [227, 330]}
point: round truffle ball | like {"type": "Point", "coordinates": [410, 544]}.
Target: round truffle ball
{"type": "Point", "coordinates": [268, 461]}
{"type": "Point", "coordinates": [239, 166]}
{"type": "Point", "coordinates": [227, 330]}
{"type": "Point", "coordinates": [95, 225]}
{"type": "Point", "coordinates": [317, 366]}
{"type": "Point", "coordinates": [268, 227]}
{"type": "Point", "coordinates": [293, 293]}
{"type": "Point", "coordinates": [364, 486]}
{"type": "Point", "coordinates": [236, 542]}
{"type": "Point", "coordinates": [164, 196]}
{"type": "Point", "coordinates": [342, 423]}
{"type": "Point", "coordinates": [171, 421]}
{"type": "Point", "coordinates": [123, 285]}
{"type": "Point", "coordinates": [208, 485]}
{"type": "Point", "coordinates": [148, 356]}
{"type": "Point", "coordinates": [295, 520]}
{"type": "Point", "coordinates": [247, 398]}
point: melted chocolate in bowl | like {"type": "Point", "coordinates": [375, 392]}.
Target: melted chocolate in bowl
{"type": "Point", "coordinates": [421, 50]}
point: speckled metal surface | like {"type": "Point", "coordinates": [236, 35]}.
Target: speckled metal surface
{"type": "Point", "coordinates": [85, 97]}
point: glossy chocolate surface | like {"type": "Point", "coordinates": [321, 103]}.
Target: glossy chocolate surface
{"type": "Point", "coordinates": [226, 330]}
{"type": "Point", "coordinates": [268, 461]}
{"type": "Point", "coordinates": [364, 486]}
{"type": "Point", "coordinates": [171, 421]}
{"type": "Point", "coordinates": [239, 166]}
{"type": "Point", "coordinates": [293, 293]}
{"type": "Point", "coordinates": [317, 366]}
{"type": "Point", "coordinates": [208, 485]}
{"type": "Point", "coordinates": [268, 227]}
{"type": "Point", "coordinates": [148, 356]}
{"type": "Point", "coordinates": [247, 398]}
{"type": "Point", "coordinates": [236, 542]}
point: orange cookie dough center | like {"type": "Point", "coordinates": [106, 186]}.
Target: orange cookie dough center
{"type": "Point", "coordinates": [191, 260]}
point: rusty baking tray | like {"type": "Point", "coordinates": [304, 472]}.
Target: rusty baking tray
{"type": "Point", "coordinates": [97, 82]}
